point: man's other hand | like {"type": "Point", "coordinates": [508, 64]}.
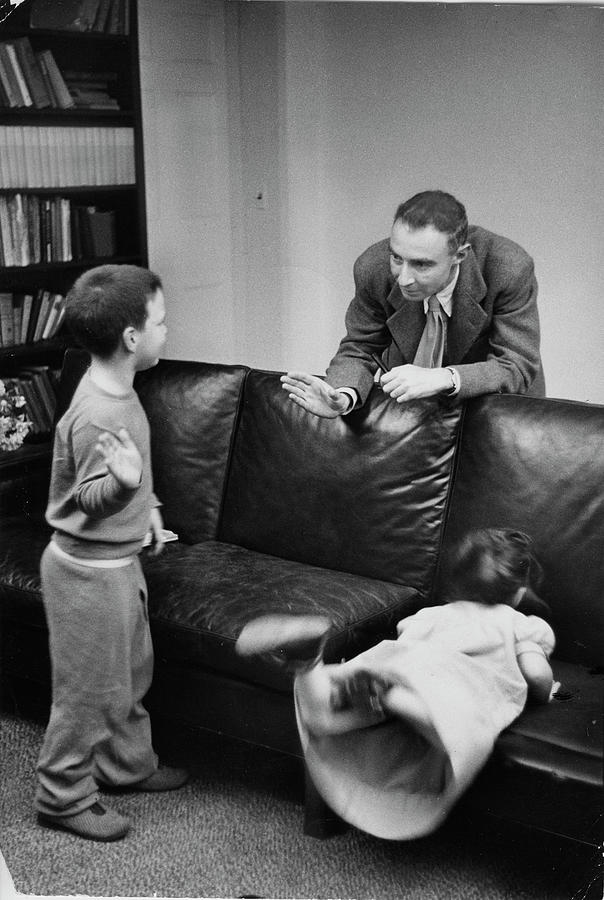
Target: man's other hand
{"type": "Point", "coordinates": [314, 395]}
{"type": "Point", "coordinates": [404, 383]}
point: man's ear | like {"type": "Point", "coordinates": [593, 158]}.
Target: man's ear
{"type": "Point", "coordinates": [129, 339]}
{"type": "Point", "coordinates": [461, 252]}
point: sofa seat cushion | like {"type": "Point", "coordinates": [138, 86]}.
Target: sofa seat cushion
{"type": "Point", "coordinates": [201, 596]}
{"type": "Point", "coordinates": [564, 737]}
{"type": "Point", "coordinates": [22, 542]}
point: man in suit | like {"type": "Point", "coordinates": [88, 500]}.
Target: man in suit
{"type": "Point", "coordinates": [444, 309]}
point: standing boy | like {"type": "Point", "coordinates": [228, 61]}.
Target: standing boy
{"type": "Point", "coordinates": [101, 505]}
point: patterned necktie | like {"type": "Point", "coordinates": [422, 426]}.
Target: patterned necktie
{"type": "Point", "coordinates": [431, 347]}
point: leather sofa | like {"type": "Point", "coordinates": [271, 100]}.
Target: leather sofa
{"type": "Point", "coordinates": [351, 518]}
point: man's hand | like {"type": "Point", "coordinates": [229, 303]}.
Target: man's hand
{"type": "Point", "coordinates": [314, 395]}
{"type": "Point", "coordinates": [121, 457]}
{"type": "Point", "coordinates": [404, 383]}
{"type": "Point", "coordinates": [157, 528]}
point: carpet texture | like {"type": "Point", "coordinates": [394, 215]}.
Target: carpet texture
{"type": "Point", "coordinates": [236, 829]}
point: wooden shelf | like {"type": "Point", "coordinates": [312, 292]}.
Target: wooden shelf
{"type": "Point", "coordinates": [39, 452]}
{"type": "Point", "coordinates": [26, 115]}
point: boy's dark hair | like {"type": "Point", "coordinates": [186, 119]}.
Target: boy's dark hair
{"type": "Point", "coordinates": [106, 300]}
{"type": "Point", "coordinates": [439, 209]}
{"type": "Point", "coordinates": [489, 565]}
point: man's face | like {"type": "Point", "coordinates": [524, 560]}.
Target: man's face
{"type": "Point", "coordinates": [421, 261]}
{"type": "Point", "coordinates": [152, 337]}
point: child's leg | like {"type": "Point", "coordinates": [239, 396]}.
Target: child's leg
{"type": "Point", "coordinates": [91, 665]}
{"type": "Point", "coordinates": [127, 757]}
{"type": "Point", "coordinates": [327, 707]}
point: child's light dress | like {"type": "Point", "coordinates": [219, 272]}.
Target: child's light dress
{"type": "Point", "coordinates": [461, 660]}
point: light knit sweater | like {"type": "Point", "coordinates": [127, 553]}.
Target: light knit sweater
{"type": "Point", "coordinates": [93, 515]}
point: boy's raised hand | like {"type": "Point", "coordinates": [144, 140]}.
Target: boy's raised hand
{"type": "Point", "coordinates": [122, 457]}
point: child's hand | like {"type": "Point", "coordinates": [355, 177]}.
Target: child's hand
{"type": "Point", "coordinates": [157, 527]}
{"type": "Point", "coordinates": [122, 457]}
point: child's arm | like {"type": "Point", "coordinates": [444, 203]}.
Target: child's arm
{"type": "Point", "coordinates": [122, 458]}
{"type": "Point", "coordinates": [537, 673]}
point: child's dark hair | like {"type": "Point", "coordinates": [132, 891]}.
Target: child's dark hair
{"type": "Point", "coordinates": [106, 300]}
{"type": "Point", "coordinates": [490, 564]}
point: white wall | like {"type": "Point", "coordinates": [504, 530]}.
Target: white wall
{"type": "Point", "coordinates": [188, 168]}
{"type": "Point", "coordinates": [341, 110]}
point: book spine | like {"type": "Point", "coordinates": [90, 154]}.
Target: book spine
{"type": "Point", "coordinates": [24, 94]}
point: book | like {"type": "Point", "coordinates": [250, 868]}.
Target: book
{"type": "Point", "coordinates": [36, 410]}
{"type": "Point", "coordinates": [44, 388]}
{"type": "Point", "coordinates": [53, 317]}
{"type": "Point", "coordinates": [7, 328]}
{"type": "Point", "coordinates": [42, 314]}
{"type": "Point", "coordinates": [27, 303]}
{"type": "Point", "coordinates": [31, 71]}
{"type": "Point", "coordinates": [101, 231]}
{"type": "Point", "coordinates": [18, 224]}
{"type": "Point", "coordinates": [6, 235]}
{"type": "Point", "coordinates": [102, 16]}
{"type": "Point", "coordinates": [24, 95]}
{"type": "Point", "coordinates": [8, 80]}
{"type": "Point", "coordinates": [60, 89]}
{"type": "Point", "coordinates": [44, 70]}
{"type": "Point", "coordinates": [17, 317]}
{"type": "Point", "coordinates": [63, 15]}
{"type": "Point", "coordinates": [33, 318]}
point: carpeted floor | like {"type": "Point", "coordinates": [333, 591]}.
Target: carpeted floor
{"type": "Point", "coordinates": [236, 829]}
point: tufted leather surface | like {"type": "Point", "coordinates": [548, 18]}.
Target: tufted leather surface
{"type": "Point", "coordinates": [192, 410]}
{"type": "Point", "coordinates": [365, 493]}
{"type": "Point", "coordinates": [538, 465]}
{"type": "Point", "coordinates": [201, 597]}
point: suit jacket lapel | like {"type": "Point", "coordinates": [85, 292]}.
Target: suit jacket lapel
{"type": "Point", "coordinates": [406, 324]}
{"type": "Point", "coordinates": [468, 317]}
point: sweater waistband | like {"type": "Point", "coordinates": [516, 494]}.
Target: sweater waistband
{"type": "Point", "coordinates": [92, 563]}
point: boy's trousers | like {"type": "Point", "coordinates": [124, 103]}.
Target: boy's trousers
{"type": "Point", "coordinates": [102, 666]}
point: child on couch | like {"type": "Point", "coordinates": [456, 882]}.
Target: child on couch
{"type": "Point", "coordinates": [101, 505]}
{"type": "Point", "coordinates": [393, 737]}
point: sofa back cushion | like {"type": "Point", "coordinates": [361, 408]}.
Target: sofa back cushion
{"type": "Point", "coordinates": [365, 493]}
{"type": "Point", "coordinates": [538, 466]}
{"type": "Point", "coordinates": [192, 409]}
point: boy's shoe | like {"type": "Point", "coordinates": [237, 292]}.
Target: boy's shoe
{"type": "Point", "coordinates": [97, 823]}
{"type": "Point", "coordinates": [295, 641]}
{"type": "Point", "coordinates": [165, 778]}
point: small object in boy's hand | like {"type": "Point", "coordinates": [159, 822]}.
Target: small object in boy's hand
{"type": "Point", "coordinates": [166, 534]}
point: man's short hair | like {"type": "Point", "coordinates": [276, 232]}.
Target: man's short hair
{"type": "Point", "coordinates": [439, 209]}
{"type": "Point", "coordinates": [106, 300]}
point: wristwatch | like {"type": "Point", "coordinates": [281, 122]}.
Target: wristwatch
{"type": "Point", "coordinates": [455, 381]}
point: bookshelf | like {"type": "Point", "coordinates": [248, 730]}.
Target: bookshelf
{"type": "Point", "coordinates": [71, 172]}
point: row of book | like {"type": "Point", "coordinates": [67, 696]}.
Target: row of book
{"type": "Point", "coordinates": [102, 16]}
{"type": "Point", "coordinates": [27, 318]}
{"type": "Point", "coordinates": [38, 386]}
{"type": "Point", "coordinates": [72, 156]}
{"type": "Point", "coordinates": [33, 79]}
{"type": "Point", "coordinates": [41, 229]}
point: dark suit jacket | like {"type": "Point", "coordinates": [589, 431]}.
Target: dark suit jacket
{"type": "Point", "coordinates": [493, 332]}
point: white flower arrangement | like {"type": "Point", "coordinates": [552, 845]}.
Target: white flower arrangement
{"type": "Point", "coordinates": [14, 423]}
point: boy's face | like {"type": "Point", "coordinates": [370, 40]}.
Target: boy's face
{"type": "Point", "coordinates": [152, 337]}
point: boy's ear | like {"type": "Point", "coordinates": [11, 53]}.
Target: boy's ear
{"type": "Point", "coordinates": [129, 338]}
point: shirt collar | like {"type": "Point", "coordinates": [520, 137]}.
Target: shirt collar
{"type": "Point", "coordinates": [445, 297]}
